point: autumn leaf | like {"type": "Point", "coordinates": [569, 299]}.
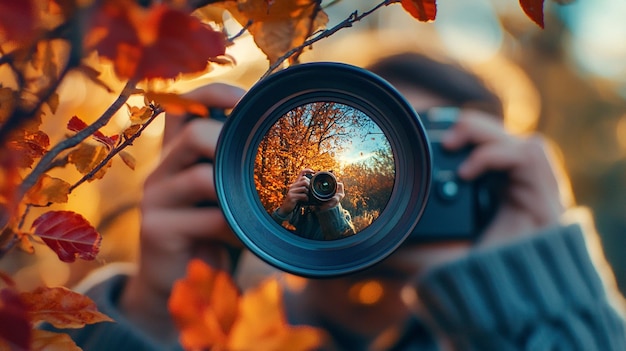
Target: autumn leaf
{"type": "Point", "coordinates": [17, 20]}
{"type": "Point", "coordinates": [48, 190]}
{"type": "Point", "coordinates": [158, 42]}
{"type": "Point", "coordinates": [68, 234]}
{"type": "Point", "coordinates": [128, 159]}
{"type": "Point", "coordinates": [44, 340]}
{"type": "Point", "coordinates": [86, 157]}
{"type": "Point", "coordinates": [15, 326]}
{"type": "Point", "coordinates": [210, 313]}
{"type": "Point", "coordinates": [423, 10]}
{"type": "Point", "coordinates": [76, 124]}
{"type": "Point", "coordinates": [139, 115]}
{"type": "Point", "coordinates": [280, 26]}
{"type": "Point", "coordinates": [176, 104]}
{"type": "Point", "coordinates": [204, 306]}
{"type": "Point", "coordinates": [534, 10]}
{"type": "Point", "coordinates": [262, 326]}
{"type": "Point", "coordinates": [61, 307]}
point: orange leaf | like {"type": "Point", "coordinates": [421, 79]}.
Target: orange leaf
{"type": "Point", "coordinates": [28, 146]}
{"type": "Point", "coordinates": [158, 42]}
{"type": "Point", "coordinates": [44, 340]}
{"type": "Point", "coordinates": [262, 326]}
{"type": "Point", "coordinates": [69, 234]}
{"type": "Point", "coordinates": [534, 10]}
{"type": "Point", "coordinates": [423, 10]}
{"type": "Point", "coordinates": [204, 306]}
{"type": "Point", "coordinates": [176, 104]}
{"type": "Point", "coordinates": [86, 157]}
{"type": "Point", "coordinates": [15, 327]}
{"type": "Point", "coordinates": [48, 190]}
{"type": "Point", "coordinates": [280, 26]}
{"type": "Point", "coordinates": [62, 307]}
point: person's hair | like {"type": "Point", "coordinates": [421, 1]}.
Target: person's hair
{"type": "Point", "coordinates": [449, 81]}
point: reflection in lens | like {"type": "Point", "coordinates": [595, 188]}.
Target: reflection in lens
{"type": "Point", "coordinates": [345, 155]}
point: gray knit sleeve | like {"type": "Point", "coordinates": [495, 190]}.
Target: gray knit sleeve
{"type": "Point", "coordinates": [118, 335]}
{"type": "Point", "coordinates": [336, 223]}
{"type": "Point", "coordinates": [539, 294]}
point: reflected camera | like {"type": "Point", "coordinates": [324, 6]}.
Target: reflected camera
{"type": "Point", "coordinates": [456, 209]}
{"type": "Point", "coordinates": [323, 187]}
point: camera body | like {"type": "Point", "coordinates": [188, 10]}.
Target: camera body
{"type": "Point", "coordinates": [322, 188]}
{"type": "Point", "coordinates": [456, 209]}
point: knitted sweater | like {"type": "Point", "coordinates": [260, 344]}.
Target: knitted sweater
{"type": "Point", "coordinates": [540, 293]}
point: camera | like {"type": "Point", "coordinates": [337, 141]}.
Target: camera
{"type": "Point", "coordinates": [322, 188]}
{"type": "Point", "coordinates": [456, 209]}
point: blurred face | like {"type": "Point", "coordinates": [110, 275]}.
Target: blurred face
{"type": "Point", "coordinates": [376, 302]}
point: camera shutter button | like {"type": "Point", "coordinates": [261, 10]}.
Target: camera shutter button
{"type": "Point", "coordinates": [447, 188]}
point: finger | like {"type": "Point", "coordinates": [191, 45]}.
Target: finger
{"type": "Point", "coordinates": [490, 157]}
{"type": "Point", "coordinates": [214, 95]}
{"type": "Point", "coordinates": [217, 95]}
{"type": "Point", "coordinates": [306, 171]}
{"type": "Point", "coordinates": [473, 127]}
{"type": "Point", "coordinates": [186, 188]}
{"type": "Point", "coordinates": [196, 140]}
{"type": "Point", "coordinates": [205, 224]}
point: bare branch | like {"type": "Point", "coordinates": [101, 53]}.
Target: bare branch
{"type": "Point", "coordinates": [48, 158]}
{"type": "Point", "coordinates": [354, 17]}
{"type": "Point", "coordinates": [129, 141]}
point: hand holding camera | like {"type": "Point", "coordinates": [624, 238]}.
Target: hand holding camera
{"type": "Point", "coordinates": [318, 189]}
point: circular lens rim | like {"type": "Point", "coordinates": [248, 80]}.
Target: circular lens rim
{"type": "Point", "coordinates": [261, 107]}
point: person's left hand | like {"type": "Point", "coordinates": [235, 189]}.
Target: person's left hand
{"type": "Point", "coordinates": [335, 200]}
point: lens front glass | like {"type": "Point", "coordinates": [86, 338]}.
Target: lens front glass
{"type": "Point", "coordinates": [349, 155]}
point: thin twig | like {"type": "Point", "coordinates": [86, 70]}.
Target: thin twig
{"type": "Point", "coordinates": [48, 158]}
{"type": "Point", "coordinates": [129, 141]}
{"type": "Point", "coordinates": [354, 17]}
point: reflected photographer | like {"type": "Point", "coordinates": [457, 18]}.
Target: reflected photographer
{"type": "Point", "coordinates": [312, 207]}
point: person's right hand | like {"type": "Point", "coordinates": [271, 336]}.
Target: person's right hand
{"type": "Point", "coordinates": [298, 192]}
{"type": "Point", "coordinates": [174, 229]}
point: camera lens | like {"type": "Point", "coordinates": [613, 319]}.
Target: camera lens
{"type": "Point", "coordinates": [323, 186]}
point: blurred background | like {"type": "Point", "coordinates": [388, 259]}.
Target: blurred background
{"type": "Point", "coordinates": [567, 81]}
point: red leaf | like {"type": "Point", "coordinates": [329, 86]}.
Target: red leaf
{"type": "Point", "coordinates": [17, 19]}
{"type": "Point", "coordinates": [423, 10]}
{"type": "Point", "coordinates": [534, 10]}
{"type": "Point", "coordinates": [76, 125]}
{"type": "Point", "coordinates": [15, 326]}
{"type": "Point", "coordinates": [160, 42]}
{"type": "Point", "coordinates": [69, 234]}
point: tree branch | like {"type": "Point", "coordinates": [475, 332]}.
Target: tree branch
{"type": "Point", "coordinates": [129, 141]}
{"type": "Point", "coordinates": [354, 17]}
{"type": "Point", "coordinates": [49, 157]}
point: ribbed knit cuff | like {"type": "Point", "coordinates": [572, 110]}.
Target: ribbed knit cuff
{"type": "Point", "coordinates": [537, 294]}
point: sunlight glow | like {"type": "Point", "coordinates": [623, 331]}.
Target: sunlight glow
{"type": "Point", "coordinates": [368, 292]}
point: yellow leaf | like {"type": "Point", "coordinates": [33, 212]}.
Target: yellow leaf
{"type": "Point", "coordinates": [281, 26]}
{"type": "Point", "coordinates": [48, 190]}
{"type": "Point", "coordinates": [86, 157]}
{"type": "Point", "coordinates": [128, 159]}
{"type": "Point", "coordinates": [262, 325]}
